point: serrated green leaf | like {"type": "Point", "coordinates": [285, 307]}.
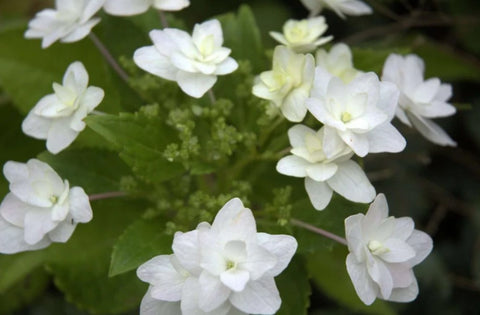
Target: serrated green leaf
{"type": "Point", "coordinates": [242, 36]}
{"type": "Point", "coordinates": [294, 288]}
{"type": "Point", "coordinates": [96, 171]}
{"type": "Point", "coordinates": [141, 241]}
{"type": "Point", "coordinates": [80, 267]}
{"type": "Point", "coordinates": [141, 142]}
{"type": "Point", "coordinates": [329, 273]}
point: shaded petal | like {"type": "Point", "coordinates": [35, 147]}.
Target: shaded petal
{"type": "Point", "coordinates": [431, 130]}
{"type": "Point", "coordinates": [259, 297]}
{"type": "Point", "coordinates": [13, 210]}
{"type": "Point", "coordinates": [60, 135]}
{"type": "Point", "coordinates": [62, 232]}
{"type": "Point", "coordinates": [377, 212]}
{"type": "Point", "coordinates": [195, 84]}
{"type": "Point", "coordinates": [80, 208]}
{"type": "Point", "coordinates": [37, 224]}
{"type": "Point", "coordinates": [366, 289]}
{"type": "Point", "coordinates": [36, 126]}
{"type": "Point", "coordinates": [150, 60]}
{"type": "Point", "coordinates": [385, 138]}
{"type": "Point", "coordinates": [227, 66]}
{"type": "Point", "coordinates": [403, 228]}
{"type": "Point", "coordinates": [380, 274]}
{"type": "Point", "coordinates": [234, 222]}
{"type": "Point", "coordinates": [282, 246]}
{"type": "Point", "coordinates": [297, 134]}
{"type": "Point", "coordinates": [187, 250]}
{"type": "Point", "coordinates": [292, 165]}
{"type": "Point", "coordinates": [407, 294]}
{"type": "Point", "coordinates": [170, 5]}
{"type": "Point", "coordinates": [321, 171]}
{"type": "Point", "coordinates": [351, 182]}
{"type": "Point", "coordinates": [422, 243]}
{"type": "Point", "coordinates": [126, 7]}
{"type": "Point", "coordinates": [12, 239]}
{"type": "Point", "coordinates": [399, 251]}
{"type": "Point", "coordinates": [151, 306]}
{"type": "Point", "coordinates": [259, 261]}
{"type": "Point", "coordinates": [354, 236]}
{"type": "Point", "coordinates": [318, 192]}
{"type": "Point", "coordinates": [235, 279]}
{"type": "Point", "coordinates": [80, 32]}
{"type": "Point", "coordinates": [212, 292]}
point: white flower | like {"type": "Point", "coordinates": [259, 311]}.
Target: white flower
{"type": "Point", "coordinates": [71, 21]}
{"type": "Point", "coordinates": [193, 61]}
{"type": "Point", "coordinates": [340, 7]}
{"type": "Point", "coordinates": [358, 113]}
{"type": "Point", "coordinates": [288, 84]}
{"type": "Point", "coordinates": [58, 117]}
{"type": "Point", "coordinates": [420, 100]}
{"type": "Point", "coordinates": [40, 208]}
{"type": "Point", "coordinates": [303, 36]}
{"type": "Point", "coordinates": [324, 175]}
{"type": "Point", "coordinates": [383, 251]}
{"type": "Point", "coordinates": [133, 7]}
{"type": "Point", "coordinates": [225, 268]}
{"type": "Point", "coordinates": [338, 62]}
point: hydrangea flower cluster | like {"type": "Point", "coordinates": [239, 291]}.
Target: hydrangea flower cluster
{"type": "Point", "coordinates": [223, 268]}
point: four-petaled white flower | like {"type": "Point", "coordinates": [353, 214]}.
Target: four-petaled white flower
{"type": "Point", "coordinates": [40, 209]}
{"type": "Point", "coordinates": [58, 117]}
{"type": "Point", "coordinates": [303, 36]}
{"type": "Point", "coordinates": [225, 268]}
{"type": "Point", "coordinates": [324, 175]}
{"type": "Point", "coordinates": [340, 7]}
{"type": "Point", "coordinates": [289, 82]}
{"type": "Point", "coordinates": [193, 61]}
{"type": "Point", "coordinates": [69, 22]}
{"type": "Point", "coordinates": [357, 113]}
{"type": "Point", "coordinates": [383, 251]}
{"type": "Point", "coordinates": [338, 62]}
{"type": "Point", "coordinates": [133, 7]}
{"type": "Point", "coordinates": [420, 100]}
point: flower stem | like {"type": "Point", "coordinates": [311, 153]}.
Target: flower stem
{"type": "Point", "coordinates": [107, 195]}
{"type": "Point", "coordinates": [318, 230]}
{"type": "Point", "coordinates": [163, 18]}
{"type": "Point", "coordinates": [98, 113]}
{"type": "Point", "coordinates": [108, 57]}
{"type": "Point", "coordinates": [211, 95]}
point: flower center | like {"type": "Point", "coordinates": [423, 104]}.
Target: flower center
{"type": "Point", "coordinates": [230, 265]}
{"type": "Point", "coordinates": [346, 117]}
{"type": "Point", "coordinates": [53, 199]}
{"type": "Point", "coordinates": [377, 248]}
{"type": "Point", "coordinates": [297, 33]}
{"type": "Point", "coordinates": [207, 46]}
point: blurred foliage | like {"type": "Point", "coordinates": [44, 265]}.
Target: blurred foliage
{"type": "Point", "coordinates": [229, 148]}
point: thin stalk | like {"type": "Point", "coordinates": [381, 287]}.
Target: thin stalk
{"type": "Point", "coordinates": [107, 195]}
{"type": "Point", "coordinates": [211, 96]}
{"type": "Point", "coordinates": [318, 230]}
{"type": "Point", "coordinates": [163, 18]}
{"type": "Point", "coordinates": [108, 57]}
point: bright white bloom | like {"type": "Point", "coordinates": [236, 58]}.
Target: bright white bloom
{"type": "Point", "coordinates": [40, 209]}
{"type": "Point", "coordinates": [70, 21]}
{"type": "Point", "coordinates": [288, 84]}
{"type": "Point", "coordinates": [338, 62]}
{"type": "Point", "coordinates": [324, 175]}
{"type": "Point", "coordinates": [357, 113]}
{"type": "Point", "coordinates": [303, 36]}
{"type": "Point", "coordinates": [225, 268]}
{"type": "Point", "coordinates": [133, 7]}
{"type": "Point", "coordinates": [420, 100]}
{"type": "Point", "coordinates": [58, 117]}
{"type": "Point", "coordinates": [383, 251]}
{"type": "Point", "coordinates": [340, 7]}
{"type": "Point", "coordinates": [193, 61]}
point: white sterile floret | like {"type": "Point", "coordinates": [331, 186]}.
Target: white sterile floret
{"type": "Point", "coordinates": [288, 84]}
{"type": "Point", "coordinates": [338, 62]}
{"type": "Point", "coordinates": [58, 117]}
{"type": "Point", "coordinates": [324, 175]}
{"type": "Point", "coordinates": [225, 268]}
{"type": "Point", "coordinates": [357, 113]}
{"type": "Point", "coordinates": [70, 21]}
{"type": "Point", "coordinates": [383, 251]}
{"type": "Point", "coordinates": [133, 7]}
{"type": "Point", "coordinates": [420, 100]}
{"type": "Point", "coordinates": [340, 7]}
{"type": "Point", "coordinates": [40, 208]}
{"type": "Point", "coordinates": [303, 36]}
{"type": "Point", "coordinates": [194, 62]}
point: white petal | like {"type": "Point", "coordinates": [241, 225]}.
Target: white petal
{"type": "Point", "coordinates": [62, 232]}
{"type": "Point", "coordinates": [292, 165]}
{"type": "Point", "coordinates": [293, 107]}
{"type": "Point", "coordinates": [354, 7]}
{"type": "Point", "coordinates": [80, 208]}
{"type": "Point", "coordinates": [13, 210]}
{"type": "Point", "coordinates": [426, 91]}
{"type": "Point", "coordinates": [435, 109]}
{"type": "Point", "coordinates": [319, 193]}
{"type": "Point", "coordinates": [91, 7]}
{"type": "Point", "coordinates": [403, 228]}
{"type": "Point", "coordinates": [380, 274]}
{"type": "Point", "coordinates": [186, 248]}
{"type": "Point", "coordinates": [407, 294]}
{"type": "Point", "coordinates": [377, 212]}
{"type": "Point", "coordinates": [212, 293]}
{"type": "Point", "coordinates": [126, 7]}
{"type": "Point", "coordinates": [12, 241]}
{"type": "Point", "coordinates": [366, 290]}
{"type": "Point", "coordinates": [321, 171]}
{"type": "Point", "coordinates": [282, 246]}
{"type": "Point", "coordinates": [195, 84]}
{"type": "Point", "coordinates": [259, 297]}
{"type": "Point", "coordinates": [354, 236]}
{"type": "Point", "coordinates": [15, 171]}
{"type": "Point", "coordinates": [171, 5]}
{"type": "Point", "coordinates": [151, 306]}
{"type": "Point", "coordinates": [150, 60]}
{"type": "Point", "coordinates": [422, 243]}
{"type": "Point", "coordinates": [259, 261]}
{"type": "Point", "coordinates": [388, 100]}
{"type": "Point", "coordinates": [60, 135]}
{"type": "Point", "coordinates": [93, 97]}
{"type": "Point", "coordinates": [208, 28]}
{"type": "Point", "coordinates": [402, 275]}
{"type": "Point", "coordinates": [351, 182]}
{"type": "Point", "coordinates": [80, 32]}
{"type": "Point", "coordinates": [399, 251]}
{"type": "Point", "coordinates": [385, 138]}
{"type": "Point", "coordinates": [37, 225]}
{"type": "Point", "coordinates": [359, 143]}
{"type": "Point", "coordinates": [234, 222]}
{"type": "Point", "coordinates": [431, 130]}
{"type": "Point", "coordinates": [235, 279]}
{"type": "Point", "coordinates": [297, 134]}
{"type": "Point", "coordinates": [36, 126]}
{"type": "Point", "coordinates": [226, 67]}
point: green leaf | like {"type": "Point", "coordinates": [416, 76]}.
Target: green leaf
{"type": "Point", "coordinates": [141, 241]}
{"type": "Point", "coordinates": [372, 59]}
{"type": "Point", "coordinates": [141, 141]}
{"type": "Point", "coordinates": [328, 271]}
{"type": "Point", "coordinates": [16, 267]}
{"type": "Point", "coordinates": [294, 288]}
{"type": "Point", "coordinates": [242, 36]}
{"type": "Point", "coordinates": [80, 267]}
{"type": "Point", "coordinates": [330, 219]}
{"type": "Point", "coordinates": [97, 171]}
